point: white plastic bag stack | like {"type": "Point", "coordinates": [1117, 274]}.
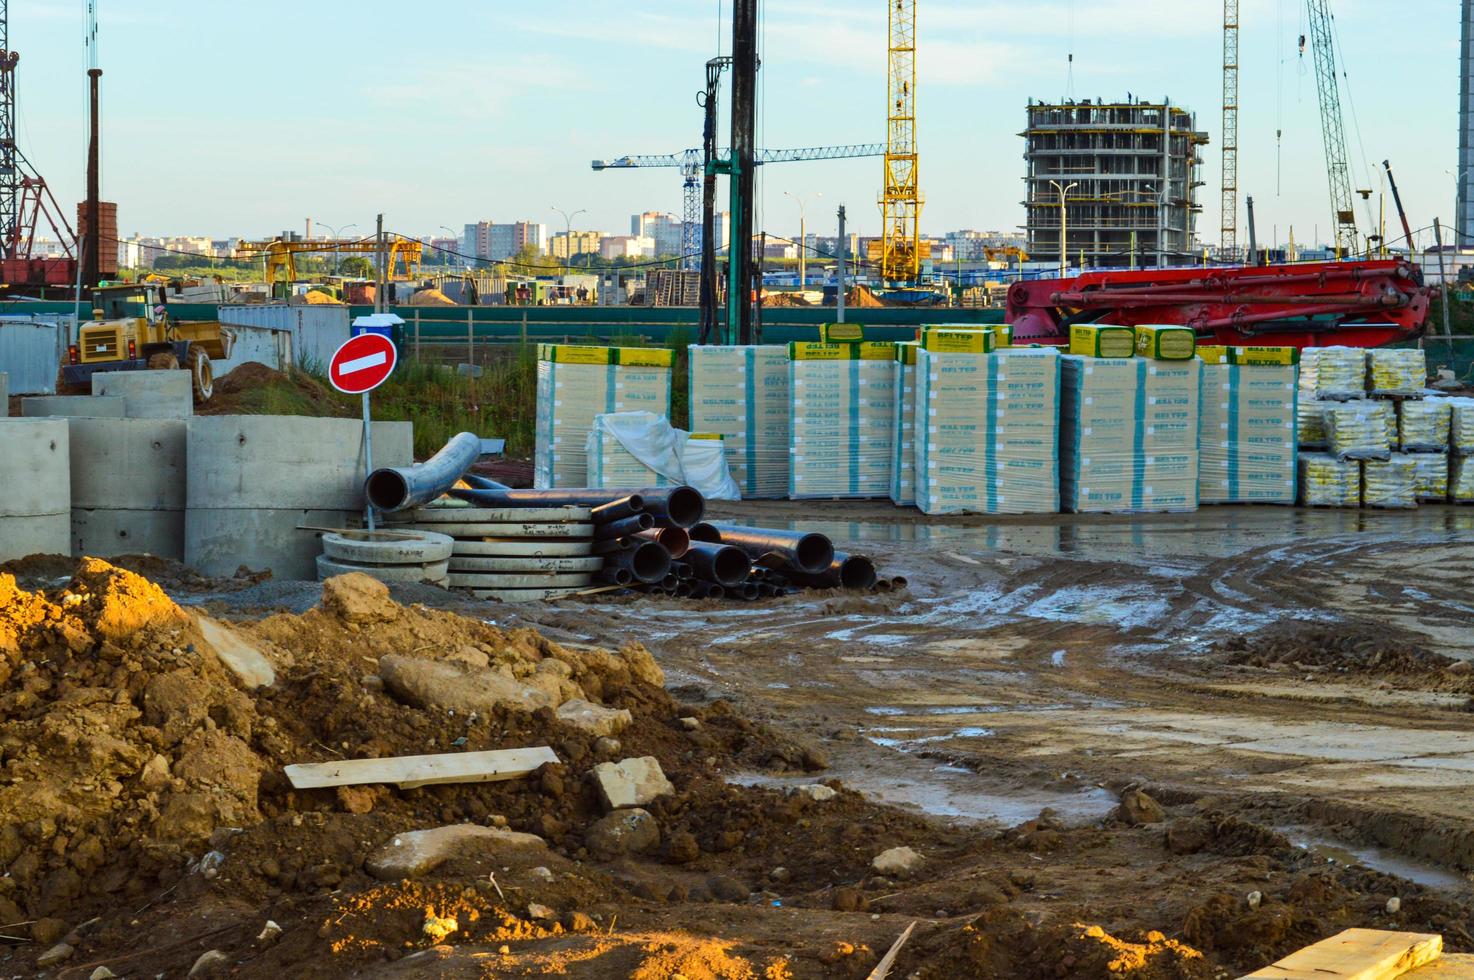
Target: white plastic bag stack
{"type": "Point", "coordinates": [1326, 481]}
{"type": "Point", "coordinates": [1423, 425]}
{"type": "Point", "coordinates": [1333, 372]}
{"type": "Point", "coordinates": [1390, 482]}
{"type": "Point", "coordinates": [1397, 371]}
{"type": "Point", "coordinates": [1310, 423]}
{"type": "Point", "coordinates": [1461, 479]}
{"type": "Point", "coordinates": [1358, 429]}
{"type": "Point", "coordinates": [1461, 425]}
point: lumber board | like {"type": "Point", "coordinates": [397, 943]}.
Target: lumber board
{"type": "Point", "coordinates": [1356, 954]}
{"type": "Point", "coordinates": [1450, 966]}
{"type": "Point", "coordinates": [409, 771]}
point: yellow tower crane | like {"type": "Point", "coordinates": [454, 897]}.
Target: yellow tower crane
{"type": "Point", "coordinates": [900, 249]}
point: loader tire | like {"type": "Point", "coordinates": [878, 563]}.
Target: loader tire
{"type": "Point", "coordinates": [201, 374]}
{"type": "Point", "coordinates": [163, 361]}
{"type": "Point", "coordinates": [387, 548]}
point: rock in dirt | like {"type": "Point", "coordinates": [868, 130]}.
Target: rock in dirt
{"type": "Point", "coordinates": [817, 792]}
{"type": "Point", "coordinates": [358, 598]}
{"type": "Point", "coordinates": [458, 687]}
{"type": "Point", "coordinates": [1138, 809]}
{"type": "Point", "coordinates": [102, 973]}
{"type": "Point", "coordinates": [727, 889]}
{"type": "Point", "coordinates": [849, 900]}
{"type": "Point", "coordinates": [437, 928]}
{"type": "Point", "coordinates": [595, 719]}
{"type": "Point", "coordinates": [898, 862]}
{"type": "Point", "coordinates": [210, 964]}
{"type": "Point", "coordinates": [631, 782]}
{"type": "Point", "coordinates": [48, 931]}
{"type": "Point", "coordinates": [414, 853]}
{"type": "Point", "coordinates": [270, 933]}
{"type": "Point", "coordinates": [1189, 836]}
{"type": "Point", "coordinates": [606, 748]}
{"type": "Point", "coordinates": [59, 953]}
{"type": "Point", "coordinates": [1254, 899]}
{"type": "Point", "coordinates": [1394, 905]}
{"type": "Point", "coordinates": [242, 659]}
{"type": "Point", "coordinates": [683, 848]}
{"type": "Point", "coordinates": [541, 912]}
{"type": "Point", "coordinates": [632, 831]}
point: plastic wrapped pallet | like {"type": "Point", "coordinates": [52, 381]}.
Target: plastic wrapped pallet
{"type": "Point", "coordinates": [1390, 482]}
{"type": "Point", "coordinates": [1461, 425]}
{"type": "Point", "coordinates": [1099, 432]}
{"type": "Point", "coordinates": [1102, 341]}
{"type": "Point", "coordinates": [1168, 469]}
{"type": "Point", "coordinates": [987, 428]}
{"type": "Point", "coordinates": [1333, 372]}
{"type": "Point", "coordinates": [1247, 433]}
{"type": "Point", "coordinates": [741, 393]}
{"type": "Point", "coordinates": [1326, 481]}
{"type": "Point", "coordinates": [1461, 479]}
{"type": "Point", "coordinates": [1310, 423]}
{"type": "Point", "coordinates": [1430, 476]}
{"type": "Point", "coordinates": [1397, 371]}
{"type": "Point", "coordinates": [1423, 425]}
{"type": "Point", "coordinates": [576, 383]}
{"type": "Point", "coordinates": [611, 463]}
{"type": "Point", "coordinates": [842, 403]}
{"type": "Point", "coordinates": [1357, 429]}
{"type": "Point", "coordinates": [903, 441]}
{"type": "Point", "coordinates": [1165, 343]}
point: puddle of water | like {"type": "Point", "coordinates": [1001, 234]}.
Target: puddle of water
{"type": "Point", "coordinates": [1057, 658]}
{"type": "Point", "coordinates": [952, 791]}
{"type": "Point", "coordinates": [1422, 872]}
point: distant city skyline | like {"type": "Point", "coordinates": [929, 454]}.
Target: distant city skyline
{"type": "Point", "coordinates": [293, 110]}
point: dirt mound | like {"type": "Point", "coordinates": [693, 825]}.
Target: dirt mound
{"type": "Point", "coordinates": [253, 387]}
{"type": "Point", "coordinates": [1365, 651]}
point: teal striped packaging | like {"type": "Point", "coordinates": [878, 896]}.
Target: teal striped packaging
{"type": "Point", "coordinates": [741, 394]}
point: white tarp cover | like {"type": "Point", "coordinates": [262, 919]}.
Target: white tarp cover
{"type": "Point", "coordinates": [631, 450]}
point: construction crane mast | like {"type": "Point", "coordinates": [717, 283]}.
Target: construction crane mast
{"type": "Point", "coordinates": [1338, 173]}
{"type": "Point", "coordinates": [1230, 200]}
{"type": "Point", "coordinates": [900, 201]}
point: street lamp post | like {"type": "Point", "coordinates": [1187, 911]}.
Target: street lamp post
{"type": "Point", "coordinates": [1064, 258]}
{"type": "Point", "coordinates": [568, 234]}
{"type": "Point", "coordinates": [337, 256]}
{"type": "Point", "coordinates": [803, 242]}
{"type": "Point", "coordinates": [453, 238]}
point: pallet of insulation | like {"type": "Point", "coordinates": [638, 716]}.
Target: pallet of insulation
{"type": "Point", "coordinates": [988, 431]}
{"type": "Point", "coordinates": [903, 440]}
{"type": "Point", "coordinates": [1390, 482]}
{"type": "Point", "coordinates": [1169, 466]}
{"type": "Point", "coordinates": [842, 403]}
{"type": "Point", "coordinates": [1247, 430]}
{"type": "Point", "coordinates": [576, 383]}
{"type": "Point", "coordinates": [741, 394]}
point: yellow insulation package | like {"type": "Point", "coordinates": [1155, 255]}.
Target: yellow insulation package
{"type": "Point", "coordinates": [1360, 429]}
{"type": "Point", "coordinates": [1389, 482]}
{"type": "Point", "coordinates": [576, 383]}
{"type": "Point", "coordinates": [741, 393]}
{"type": "Point", "coordinates": [1333, 372]}
{"type": "Point", "coordinates": [1326, 481]}
{"type": "Point", "coordinates": [1165, 342]}
{"type": "Point", "coordinates": [1397, 371]}
{"type": "Point", "coordinates": [842, 404]}
{"type": "Point", "coordinates": [1422, 426]}
{"type": "Point", "coordinates": [1430, 476]}
{"type": "Point", "coordinates": [1092, 341]}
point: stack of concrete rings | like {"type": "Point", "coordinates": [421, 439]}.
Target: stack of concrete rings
{"type": "Point", "coordinates": [389, 556]}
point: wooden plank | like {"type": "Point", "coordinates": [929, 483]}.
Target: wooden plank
{"type": "Point", "coordinates": [1449, 966]}
{"type": "Point", "coordinates": [1356, 954]}
{"type": "Point", "coordinates": [408, 771]}
{"type": "Point", "coordinates": [883, 968]}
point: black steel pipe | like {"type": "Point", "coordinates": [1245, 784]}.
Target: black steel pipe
{"type": "Point", "coordinates": [648, 562]}
{"type": "Point", "coordinates": [395, 488]}
{"type": "Point", "coordinates": [684, 590]}
{"type": "Point", "coordinates": [844, 572]}
{"type": "Point", "coordinates": [704, 532]}
{"type": "Point", "coordinates": [615, 575]}
{"type": "Point", "coordinates": [683, 570]}
{"type": "Point", "coordinates": [618, 510]}
{"type": "Point", "coordinates": [673, 539]}
{"type": "Point", "coordinates": [810, 553]}
{"type": "Point", "coordinates": [750, 591]}
{"type": "Point", "coordinates": [720, 563]}
{"type": "Point", "coordinates": [626, 528]}
{"type": "Point", "coordinates": [899, 582]}
{"type": "Point", "coordinates": [675, 506]}
{"type": "Point", "coordinates": [670, 581]}
{"type": "Point", "coordinates": [715, 591]}
{"type": "Point", "coordinates": [482, 483]}
{"type": "Point", "coordinates": [615, 544]}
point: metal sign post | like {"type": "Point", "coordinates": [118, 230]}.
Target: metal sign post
{"type": "Point", "coordinates": [358, 366]}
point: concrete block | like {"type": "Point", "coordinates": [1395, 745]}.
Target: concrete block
{"type": "Point", "coordinates": [128, 486]}
{"type": "Point", "coordinates": [104, 533]}
{"type": "Point", "coordinates": [71, 406]}
{"type": "Point", "coordinates": [35, 488]}
{"type": "Point", "coordinates": [631, 782]}
{"type": "Point", "coordinates": [253, 479]}
{"type": "Point", "coordinates": [149, 394]}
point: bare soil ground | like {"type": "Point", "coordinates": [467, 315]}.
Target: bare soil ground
{"type": "Point", "coordinates": [1288, 686]}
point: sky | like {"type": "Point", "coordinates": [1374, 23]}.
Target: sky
{"type": "Point", "coordinates": [245, 119]}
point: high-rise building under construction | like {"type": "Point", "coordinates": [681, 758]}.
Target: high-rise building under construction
{"type": "Point", "coordinates": [1127, 173]}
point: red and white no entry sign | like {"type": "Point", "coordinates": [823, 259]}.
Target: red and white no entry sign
{"type": "Point", "coordinates": [362, 363]}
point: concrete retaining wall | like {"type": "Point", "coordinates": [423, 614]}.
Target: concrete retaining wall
{"type": "Point", "coordinates": [252, 479]}
{"type": "Point", "coordinates": [72, 406]}
{"type": "Point", "coordinates": [149, 394]}
{"type": "Point", "coordinates": [35, 488]}
{"type": "Point", "coordinates": [128, 486]}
